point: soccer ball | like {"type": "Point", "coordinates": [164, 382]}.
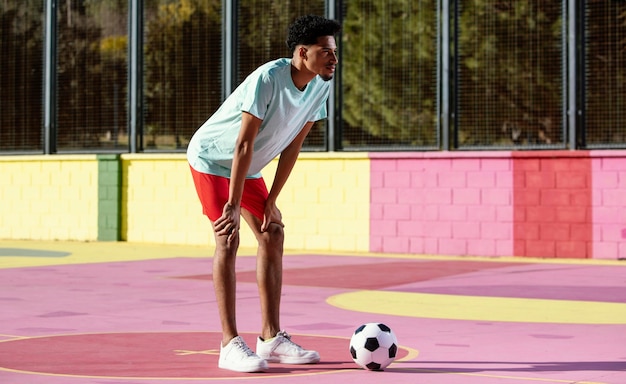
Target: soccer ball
{"type": "Point", "coordinates": [373, 346]}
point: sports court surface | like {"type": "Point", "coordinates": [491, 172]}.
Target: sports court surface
{"type": "Point", "coordinates": [119, 313]}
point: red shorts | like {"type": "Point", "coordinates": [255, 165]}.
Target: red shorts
{"type": "Point", "coordinates": [213, 193]}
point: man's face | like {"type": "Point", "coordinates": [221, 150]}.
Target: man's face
{"type": "Point", "coordinates": [321, 58]}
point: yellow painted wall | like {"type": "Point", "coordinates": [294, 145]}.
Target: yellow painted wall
{"type": "Point", "coordinates": [159, 202]}
{"type": "Point", "coordinates": [325, 204]}
{"type": "Point", "coordinates": [49, 197]}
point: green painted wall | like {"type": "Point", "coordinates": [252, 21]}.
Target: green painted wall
{"type": "Point", "coordinates": [109, 197]}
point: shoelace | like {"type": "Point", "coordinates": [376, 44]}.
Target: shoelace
{"type": "Point", "coordinates": [288, 337]}
{"type": "Point", "coordinates": [243, 347]}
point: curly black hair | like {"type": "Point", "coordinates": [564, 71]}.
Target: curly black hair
{"type": "Point", "coordinates": [306, 29]}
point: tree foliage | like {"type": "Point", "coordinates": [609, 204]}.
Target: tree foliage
{"type": "Point", "coordinates": [510, 72]}
{"type": "Point", "coordinates": [389, 57]}
{"type": "Point", "coordinates": [182, 61]}
{"type": "Point", "coordinates": [605, 89]}
{"type": "Point", "coordinates": [21, 71]}
{"type": "Point", "coordinates": [509, 79]}
{"type": "Point", "coordinates": [91, 83]}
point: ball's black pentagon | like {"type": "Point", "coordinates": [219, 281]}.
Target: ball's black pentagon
{"type": "Point", "coordinates": [392, 351]}
{"type": "Point", "coordinates": [373, 366]}
{"type": "Point", "coordinates": [353, 352]}
{"type": "Point", "coordinates": [371, 344]}
{"type": "Point", "coordinates": [359, 329]}
{"type": "Point", "coordinates": [384, 328]}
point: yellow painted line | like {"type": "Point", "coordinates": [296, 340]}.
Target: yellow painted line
{"type": "Point", "coordinates": [99, 252]}
{"type": "Point", "coordinates": [95, 252]}
{"type": "Point", "coordinates": [481, 308]}
{"type": "Point", "coordinates": [12, 337]}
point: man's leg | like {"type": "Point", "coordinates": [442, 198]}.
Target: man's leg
{"type": "Point", "coordinates": [235, 354]}
{"type": "Point", "coordinates": [269, 272]}
{"type": "Point", "coordinates": [274, 345]}
{"type": "Point", "coordinates": [224, 284]}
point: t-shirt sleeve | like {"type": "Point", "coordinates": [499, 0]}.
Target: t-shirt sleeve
{"type": "Point", "coordinates": [320, 114]}
{"type": "Point", "coordinates": [257, 96]}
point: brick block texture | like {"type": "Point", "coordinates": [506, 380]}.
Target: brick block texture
{"type": "Point", "coordinates": [552, 206]}
{"type": "Point", "coordinates": [569, 204]}
{"type": "Point", "coordinates": [322, 203]}
{"type": "Point", "coordinates": [609, 206]}
{"type": "Point", "coordinates": [49, 198]}
{"type": "Point", "coordinates": [446, 206]}
{"type": "Point", "coordinates": [533, 204]}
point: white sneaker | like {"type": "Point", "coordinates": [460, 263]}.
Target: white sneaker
{"type": "Point", "coordinates": [237, 356]}
{"type": "Point", "coordinates": [281, 349]}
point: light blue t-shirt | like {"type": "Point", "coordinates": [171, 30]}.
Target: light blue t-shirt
{"type": "Point", "coordinates": [269, 94]}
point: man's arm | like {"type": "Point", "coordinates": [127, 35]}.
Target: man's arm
{"type": "Point", "coordinates": [286, 163]}
{"type": "Point", "coordinates": [228, 223]}
{"type": "Point", "coordinates": [242, 158]}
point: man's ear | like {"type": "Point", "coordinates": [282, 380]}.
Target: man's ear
{"type": "Point", "coordinates": [302, 51]}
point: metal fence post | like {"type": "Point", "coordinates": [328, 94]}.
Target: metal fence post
{"type": "Point", "coordinates": [229, 46]}
{"type": "Point", "coordinates": [572, 99]}
{"type": "Point", "coordinates": [135, 76]}
{"type": "Point", "coordinates": [50, 73]}
{"type": "Point", "coordinates": [443, 72]}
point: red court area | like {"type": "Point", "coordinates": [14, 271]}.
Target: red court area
{"type": "Point", "coordinates": [173, 355]}
{"type": "Point", "coordinates": [153, 320]}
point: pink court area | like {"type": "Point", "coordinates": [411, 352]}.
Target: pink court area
{"type": "Point", "coordinates": [118, 313]}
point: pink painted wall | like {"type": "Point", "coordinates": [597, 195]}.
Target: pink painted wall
{"type": "Point", "coordinates": [567, 204]}
{"type": "Point", "coordinates": [552, 204]}
{"type": "Point", "coordinates": [609, 204]}
{"type": "Point", "coordinates": [441, 203]}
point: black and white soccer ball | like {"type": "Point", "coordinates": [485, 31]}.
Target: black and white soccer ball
{"type": "Point", "coordinates": [373, 346]}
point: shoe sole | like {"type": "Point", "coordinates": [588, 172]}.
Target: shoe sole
{"type": "Point", "coordinates": [292, 360]}
{"type": "Point", "coordinates": [252, 369]}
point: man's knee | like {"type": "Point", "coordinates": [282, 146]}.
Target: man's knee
{"type": "Point", "coordinates": [225, 248]}
{"type": "Point", "coordinates": [274, 235]}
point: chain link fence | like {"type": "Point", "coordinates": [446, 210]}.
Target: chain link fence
{"type": "Point", "coordinates": [508, 76]}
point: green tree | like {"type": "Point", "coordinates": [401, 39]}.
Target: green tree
{"type": "Point", "coordinates": [606, 73]}
{"type": "Point", "coordinates": [510, 72]}
{"type": "Point", "coordinates": [389, 66]}
{"type": "Point", "coordinates": [182, 61]}
{"type": "Point", "coordinates": [91, 72]}
{"type": "Point", "coordinates": [21, 71]}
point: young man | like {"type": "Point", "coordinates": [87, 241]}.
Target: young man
{"type": "Point", "coordinates": [269, 114]}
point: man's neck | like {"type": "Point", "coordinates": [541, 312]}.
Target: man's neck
{"type": "Point", "coordinates": [300, 75]}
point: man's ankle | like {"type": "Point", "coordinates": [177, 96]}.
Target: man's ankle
{"type": "Point", "coordinates": [227, 339]}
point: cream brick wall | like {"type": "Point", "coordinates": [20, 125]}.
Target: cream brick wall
{"type": "Point", "coordinates": [324, 204]}
{"type": "Point", "coordinates": [49, 198]}
{"type": "Point", "coordinates": [159, 204]}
